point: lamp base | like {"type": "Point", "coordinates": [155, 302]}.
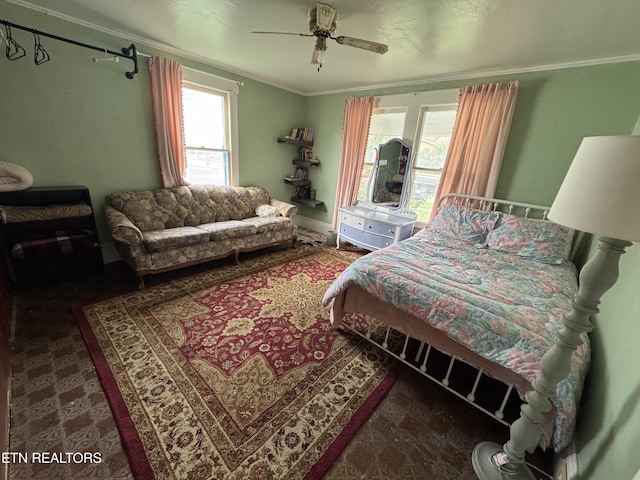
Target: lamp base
{"type": "Point", "coordinates": [487, 468]}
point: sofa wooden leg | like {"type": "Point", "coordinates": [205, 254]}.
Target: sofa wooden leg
{"type": "Point", "coordinates": [140, 282]}
{"type": "Point", "coordinates": [236, 255]}
{"type": "Point", "coordinates": [293, 242]}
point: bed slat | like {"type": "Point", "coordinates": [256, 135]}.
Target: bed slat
{"type": "Point", "coordinates": [399, 345]}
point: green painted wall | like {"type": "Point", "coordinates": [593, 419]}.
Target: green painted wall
{"type": "Point", "coordinates": [609, 425]}
{"type": "Point", "coordinates": [72, 121]}
{"type": "Point", "coordinates": [554, 111]}
{"type": "Point", "coordinates": [609, 433]}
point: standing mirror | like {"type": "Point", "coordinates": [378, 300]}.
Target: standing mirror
{"type": "Point", "coordinates": [390, 180]}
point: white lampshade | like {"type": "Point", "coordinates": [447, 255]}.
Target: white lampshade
{"type": "Point", "coordinates": [601, 191]}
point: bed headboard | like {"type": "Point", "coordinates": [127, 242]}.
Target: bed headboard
{"type": "Point", "coordinates": [527, 210]}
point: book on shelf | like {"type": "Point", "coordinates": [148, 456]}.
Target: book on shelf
{"type": "Point", "coordinates": [306, 154]}
{"type": "Point", "coordinates": [303, 192]}
{"type": "Point", "coordinates": [301, 174]}
{"type": "Point", "coordinates": [303, 134]}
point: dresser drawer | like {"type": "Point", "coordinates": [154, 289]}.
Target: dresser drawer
{"type": "Point", "coordinates": [347, 232]}
{"type": "Point", "coordinates": [379, 228]}
{"type": "Point", "coordinates": [352, 220]}
{"type": "Point", "coordinates": [363, 239]}
{"type": "Point", "coordinates": [377, 241]}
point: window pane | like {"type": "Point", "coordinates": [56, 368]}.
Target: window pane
{"type": "Point", "coordinates": [204, 119]}
{"type": "Point", "coordinates": [205, 124]}
{"type": "Point", "coordinates": [435, 137]}
{"type": "Point", "coordinates": [206, 167]}
{"type": "Point", "coordinates": [384, 126]}
{"type": "Point", "coordinates": [434, 141]}
{"type": "Point", "coordinates": [364, 180]}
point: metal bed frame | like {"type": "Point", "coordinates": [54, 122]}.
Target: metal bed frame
{"type": "Point", "coordinates": [450, 365]}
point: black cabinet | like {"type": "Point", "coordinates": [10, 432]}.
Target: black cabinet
{"type": "Point", "coordinates": [48, 234]}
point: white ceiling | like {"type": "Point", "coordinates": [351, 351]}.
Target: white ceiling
{"type": "Point", "coordinates": [428, 40]}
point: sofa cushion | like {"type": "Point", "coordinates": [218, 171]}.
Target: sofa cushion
{"type": "Point", "coordinates": [159, 240]}
{"type": "Point", "coordinates": [228, 229]}
{"type": "Point", "coordinates": [268, 224]}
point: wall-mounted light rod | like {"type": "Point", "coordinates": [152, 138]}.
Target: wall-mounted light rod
{"type": "Point", "coordinates": [130, 53]}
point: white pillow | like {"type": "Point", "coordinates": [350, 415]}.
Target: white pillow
{"type": "Point", "coordinates": [267, 211]}
{"type": "Point", "coordinates": [14, 177]}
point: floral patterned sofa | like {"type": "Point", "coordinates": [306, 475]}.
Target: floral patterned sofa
{"type": "Point", "coordinates": [168, 228]}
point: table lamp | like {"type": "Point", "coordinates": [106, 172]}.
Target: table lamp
{"type": "Point", "coordinates": [600, 195]}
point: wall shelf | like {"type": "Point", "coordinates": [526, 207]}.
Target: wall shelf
{"type": "Point", "coordinates": [306, 164]}
{"type": "Point", "coordinates": [304, 161]}
{"type": "Point", "coordinates": [293, 141]}
{"type": "Point", "coordinates": [297, 182]}
{"type": "Point", "coordinates": [308, 202]}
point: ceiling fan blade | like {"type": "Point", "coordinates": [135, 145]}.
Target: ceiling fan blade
{"type": "Point", "coordinates": [325, 16]}
{"type": "Point", "coordinates": [287, 33]}
{"type": "Point", "coordinates": [364, 44]}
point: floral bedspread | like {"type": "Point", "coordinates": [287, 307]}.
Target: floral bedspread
{"type": "Point", "coordinates": [502, 306]}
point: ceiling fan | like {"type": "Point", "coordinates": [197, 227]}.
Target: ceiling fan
{"type": "Point", "coordinates": [322, 25]}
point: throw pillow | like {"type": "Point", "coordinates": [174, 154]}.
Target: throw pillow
{"type": "Point", "coordinates": [462, 223]}
{"type": "Point", "coordinates": [267, 211]}
{"type": "Point", "coordinates": [540, 240]}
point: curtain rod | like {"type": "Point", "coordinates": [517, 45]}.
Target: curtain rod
{"type": "Point", "coordinates": [200, 72]}
{"type": "Point", "coordinates": [41, 56]}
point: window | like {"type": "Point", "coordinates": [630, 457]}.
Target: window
{"type": "Point", "coordinates": [205, 136]}
{"type": "Point", "coordinates": [430, 153]}
{"type": "Point", "coordinates": [210, 133]}
{"type": "Point", "coordinates": [424, 120]}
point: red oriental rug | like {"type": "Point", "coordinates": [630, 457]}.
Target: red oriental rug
{"type": "Point", "coordinates": [236, 373]}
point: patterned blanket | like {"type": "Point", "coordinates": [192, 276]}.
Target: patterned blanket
{"type": "Point", "coordinates": [57, 242]}
{"type": "Point", "coordinates": [504, 307]}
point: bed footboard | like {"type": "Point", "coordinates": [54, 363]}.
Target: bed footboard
{"type": "Point", "coordinates": [491, 388]}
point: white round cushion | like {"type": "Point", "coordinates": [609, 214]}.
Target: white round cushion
{"type": "Point", "coordinates": [14, 177]}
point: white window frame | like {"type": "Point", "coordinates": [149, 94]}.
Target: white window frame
{"type": "Point", "coordinates": [207, 81]}
{"type": "Point", "coordinates": [415, 104]}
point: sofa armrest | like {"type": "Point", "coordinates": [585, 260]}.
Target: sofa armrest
{"type": "Point", "coordinates": [122, 229]}
{"type": "Point", "coordinates": [286, 209]}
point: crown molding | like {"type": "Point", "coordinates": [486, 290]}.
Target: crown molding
{"type": "Point", "coordinates": [488, 73]}
{"type": "Point", "coordinates": [152, 44]}
{"type": "Point", "coordinates": [234, 71]}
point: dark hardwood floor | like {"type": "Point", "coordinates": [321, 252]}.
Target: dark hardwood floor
{"type": "Point", "coordinates": [418, 431]}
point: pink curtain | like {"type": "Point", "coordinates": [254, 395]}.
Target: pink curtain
{"type": "Point", "coordinates": [355, 130]}
{"type": "Point", "coordinates": [478, 140]}
{"type": "Point", "coordinates": [166, 90]}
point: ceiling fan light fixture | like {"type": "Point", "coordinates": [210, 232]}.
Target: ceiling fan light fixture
{"type": "Point", "coordinates": [317, 58]}
{"type": "Point", "coordinates": [319, 52]}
